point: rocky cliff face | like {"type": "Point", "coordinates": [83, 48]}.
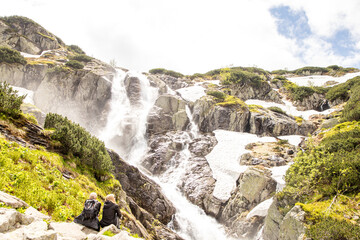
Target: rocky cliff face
{"type": "Point", "coordinates": [210, 116]}
{"type": "Point", "coordinates": [262, 92]}
{"type": "Point", "coordinates": [25, 35]}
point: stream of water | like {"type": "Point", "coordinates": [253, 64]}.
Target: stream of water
{"type": "Point", "coordinates": [125, 133]}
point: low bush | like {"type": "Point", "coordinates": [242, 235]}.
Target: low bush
{"type": "Point", "coordinates": [341, 91]}
{"type": "Point", "coordinates": [10, 102]}
{"type": "Point", "coordinates": [8, 55]}
{"type": "Point", "coordinates": [229, 76]}
{"type": "Point", "coordinates": [75, 49]}
{"type": "Point", "coordinates": [277, 109]}
{"type": "Point", "coordinates": [351, 110]}
{"type": "Point", "coordinates": [81, 58]}
{"type": "Point", "coordinates": [74, 64]}
{"type": "Point", "coordinates": [333, 229]}
{"type": "Point", "coordinates": [76, 141]}
{"type": "Point", "coordinates": [217, 94]}
{"type": "Point", "coordinates": [166, 72]}
{"type": "Point", "coordinates": [311, 70]}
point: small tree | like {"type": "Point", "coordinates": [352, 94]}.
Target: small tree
{"type": "Point", "coordinates": [10, 102]}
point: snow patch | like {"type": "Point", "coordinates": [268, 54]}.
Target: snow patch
{"type": "Point", "coordinates": [320, 80]}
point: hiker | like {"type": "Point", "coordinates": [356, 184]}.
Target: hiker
{"type": "Point", "coordinates": [89, 215]}
{"type": "Point", "coordinates": [111, 212]}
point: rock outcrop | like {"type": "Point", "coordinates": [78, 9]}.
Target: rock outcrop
{"type": "Point", "coordinates": [253, 186]}
{"type": "Point", "coordinates": [173, 82]}
{"type": "Point", "coordinates": [57, 89]}
{"type": "Point", "coordinates": [315, 101]}
{"type": "Point", "coordinates": [168, 114]}
{"type": "Point", "coordinates": [146, 192]}
{"type": "Point", "coordinates": [211, 116]}
{"type": "Point", "coordinates": [262, 91]}
{"type": "Point", "coordinates": [25, 35]}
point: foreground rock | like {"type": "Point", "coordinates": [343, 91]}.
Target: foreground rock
{"type": "Point", "coordinates": [279, 225]}
{"type": "Point", "coordinates": [253, 187]}
{"type": "Point", "coordinates": [147, 193]}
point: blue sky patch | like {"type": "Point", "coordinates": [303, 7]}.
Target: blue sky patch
{"type": "Point", "coordinates": [290, 23]}
{"type": "Point", "coordinates": [342, 43]}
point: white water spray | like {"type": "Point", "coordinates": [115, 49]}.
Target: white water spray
{"type": "Point", "coordinates": [125, 132]}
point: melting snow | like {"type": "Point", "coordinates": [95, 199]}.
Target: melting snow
{"type": "Point", "coordinates": [224, 159]}
{"type": "Point", "coordinates": [320, 80]}
{"type": "Point", "coordinates": [261, 209]}
{"type": "Point", "coordinates": [293, 139]}
{"type": "Point", "coordinates": [278, 174]}
{"type": "Point", "coordinates": [289, 108]}
{"type": "Point", "coordinates": [192, 93]}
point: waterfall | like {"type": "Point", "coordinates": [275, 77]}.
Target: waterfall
{"type": "Point", "coordinates": [125, 133]}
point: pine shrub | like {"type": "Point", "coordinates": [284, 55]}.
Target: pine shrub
{"type": "Point", "coordinates": [10, 102]}
{"type": "Point", "coordinates": [75, 140]}
{"type": "Point", "coordinates": [8, 55]}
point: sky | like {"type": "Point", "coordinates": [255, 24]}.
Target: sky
{"type": "Point", "coordinates": [195, 36]}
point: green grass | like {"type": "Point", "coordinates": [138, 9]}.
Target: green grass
{"type": "Point", "coordinates": [166, 72]}
{"type": "Point", "coordinates": [35, 176]}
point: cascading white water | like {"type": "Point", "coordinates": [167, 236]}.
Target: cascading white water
{"type": "Point", "coordinates": [125, 133]}
{"type": "Point", "coordinates": [126, 123]}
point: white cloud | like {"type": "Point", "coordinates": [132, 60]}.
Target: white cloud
{"type": "Point", "coordinates": [189, 36]}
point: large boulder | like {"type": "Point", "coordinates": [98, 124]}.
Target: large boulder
{"type": "Point", "coordinates": [316, 101]}
{"type": "Point", "coordinates": [147, 193]}
{"type": "Point", "coordinates": [253, 187]}
{"type": "Point", "coordinates": [12, 201]}
{"type": "Point", "coordinates": [293, 225]}
{"type": "Point", "coordinates": [168, 114]}
{"type": "Point", "coordinates": [210, 116]}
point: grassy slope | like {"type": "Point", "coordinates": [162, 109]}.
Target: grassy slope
{"type": "Point", "coordinates": [35, 175]}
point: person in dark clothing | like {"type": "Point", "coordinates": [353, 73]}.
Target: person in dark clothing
{"type": "Point", "coordinates": [111, 212]}
{"type": "Point", "coordinates": [89, 215]}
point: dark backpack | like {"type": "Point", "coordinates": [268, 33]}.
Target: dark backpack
{"type": "Point", "coordinates": [90, 210]}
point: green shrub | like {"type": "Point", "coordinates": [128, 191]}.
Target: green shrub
{"type": "Point", "coordinates": [75, 49]}
{"type": "Point", "coordinates": [8, 55]}
{"type": "Point", "coordinates": [341, 91]}
{"type": "Point", "coordinates": [74, 64]}
{"type": "Point", "coordinates": [334, 67]}
{"type": "Point", "coordinates": [81, 58]}
{"type": "Point", "coordinates": [229, 76]}
{"type": "Point", "coordinates": [217, 94]}
{"type": "Point", "coordinates": [311, 70]}
{"type": "Point", "coordinates": [298, 93]}
{"type": "Point", "coordinates": [332, 229]}
{"type": "Point", "coordinates": [166, 72]}
{"type": "Point", "coordinates": [281, 72]}
{"type": "Point", "coordinates": [10, 102]}
{"type": "Point", "coordinates": [277, 109]}
{"type": "Point", "coordinates": [77, 141]}
{"type": "Point", "coordinates": [331, 167]}
{"type": "Point", "coordinates": [351, 110]}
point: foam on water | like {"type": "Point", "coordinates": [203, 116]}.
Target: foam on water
{"type": "Point", "coordinates": [23, 91]}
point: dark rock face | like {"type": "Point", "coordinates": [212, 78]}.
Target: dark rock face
{"type": "Point", "coordinates": [253, 187]}
{"type": "Point", "coordinates": [133, 89]}
{"type": "Point", "coordinates": [144, 191]}
{"type": "Point", "coordinates": [27, 36]}
{"type": "Point", "coordinates": [316, 102]}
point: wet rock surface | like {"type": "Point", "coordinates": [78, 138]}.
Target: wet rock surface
{"type": "Point", "coordinates": [147, 193]}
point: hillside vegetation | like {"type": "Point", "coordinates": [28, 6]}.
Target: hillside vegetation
{"type": "Point", "coordinates": [325, 179]}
